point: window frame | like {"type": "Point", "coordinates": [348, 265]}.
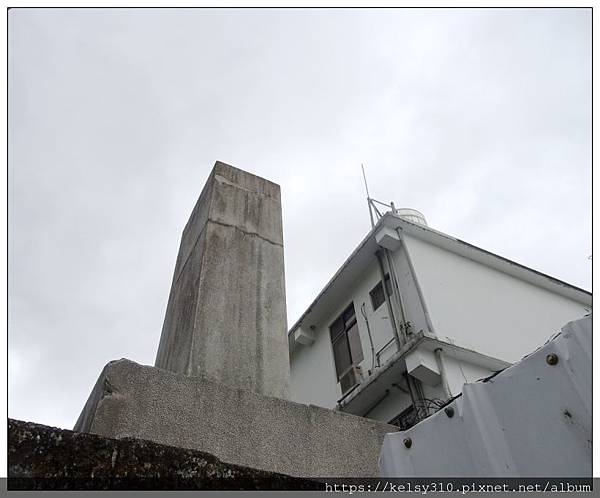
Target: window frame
{"type": "Point", "coordinates": [380, 289]}
{"type": "Point", "coordinates": [341, 330]}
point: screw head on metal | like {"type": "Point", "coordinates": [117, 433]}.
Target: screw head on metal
{"type": "Point", "coordinates": [552, 359]}
{"type": "Point", "coordinates": [408, 442]}
{"type": "Point", "coordinates": [449, 411]}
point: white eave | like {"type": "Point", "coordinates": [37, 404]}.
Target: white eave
{"type": "Point", "coordinates": [363, 255]}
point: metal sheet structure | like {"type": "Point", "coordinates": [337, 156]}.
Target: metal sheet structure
{"type": "Point", "coordinates": [533, 419]}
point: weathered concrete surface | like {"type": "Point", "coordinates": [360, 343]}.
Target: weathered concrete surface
{"type": "Point", "coordinates": [226, 317]}
{"type": "Point", "coordinates": [42, 457]}
{"type": "Point", "coordinates": [237, 426]}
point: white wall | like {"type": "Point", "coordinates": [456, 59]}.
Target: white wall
{"type": "Point", "coordinates": [415, 313]}
{"type": "Point", "coordinates": [485, 309]}
{"type": "Point", "coordinates": [460, 372]}
{"type": "Point", "coordinates": [394, 404]}
{"type": "Point", "coordinates": [471, 304]}
{"type": "Point", "coordinates": [312, 373]}
{"type": "Point", "coordinates": [313, 377]}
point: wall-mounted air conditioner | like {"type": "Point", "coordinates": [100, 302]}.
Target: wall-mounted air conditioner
{"type": "Point", "coordinates": [352, 377]}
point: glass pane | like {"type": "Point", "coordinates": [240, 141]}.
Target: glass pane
{"type": "Point", "coordinates": [349, 315]}
{"type": "Point", "coordinates": [377, 296]}
{"type": "Point", "coordinates": [341, 354]}
{"type": "Point", "coordinates": [336, 328]}
{"type": "Point", "coordinates": [356, 351]}
{"type": "Point", "coordinates": [388, 285]}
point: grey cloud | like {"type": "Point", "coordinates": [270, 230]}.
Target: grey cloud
{"type": "Point", "coordinates": [479, 118]}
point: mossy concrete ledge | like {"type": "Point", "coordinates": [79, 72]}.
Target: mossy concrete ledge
{"type": "Point", "coordinates": [235, 425]}
{"type": "Point", "coordinates": [46, 458]}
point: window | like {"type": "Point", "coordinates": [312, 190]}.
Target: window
{"type": "Point", "coordinates": [347, 348]}
{"type": "Point", "coordinates": [377, 294]}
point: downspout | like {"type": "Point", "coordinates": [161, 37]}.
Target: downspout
{"type": "Point", "coordinates": [443, 374]}
{"type": "Point", "coordinates": [411, 391]}
{"type": "Point", "coordinates": [388, 301]}
{"type": "Point", "coordinates": [416, 281]}
{"type": "Point", "coordinates": [364, 314]}
{"type": "Point", "coordinates": [417, 395]}
{"type": "Point", "coordinates": [394, 278]}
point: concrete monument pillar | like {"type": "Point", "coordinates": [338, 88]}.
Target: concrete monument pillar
{"type": "Point", "coordinates": [226, 316]}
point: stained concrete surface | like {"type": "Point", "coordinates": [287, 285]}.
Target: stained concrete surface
{"type": "Point", "coordinates": [226, 317]}
{"type": "Point", "coordinates": [235, 425]}
{"type": "Point", "coordinates": [46, 458]}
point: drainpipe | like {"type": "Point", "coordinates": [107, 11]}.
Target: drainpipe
{"type": "Point", "coordinates": [416, 393]}
{"type": "Point", "coordinates": [394, 279]}
{"type": "Point", "coordinates": [364, 314]}
{"type": "Point", "coordinates": [443, 374]}
{"type": "Point", "coordinates": [414, 397]}
{"type": "Point", "coordinates": [388, 301]}
{"type": "Point", "coordinates": [416, 281]}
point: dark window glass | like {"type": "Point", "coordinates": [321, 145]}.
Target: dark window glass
{"type": "Point", "coordinates": [355, 346]}
{"type": "Point", "coordinates": [347, 348]}
{"type": "Point", "coordinates": [336, 328]}
{"type": "Point", "coordinates": [341, 354]}
{"type": "Point", "coordinates": [377, 294]}
{"type": "Point", "coordinates": [349, 315]}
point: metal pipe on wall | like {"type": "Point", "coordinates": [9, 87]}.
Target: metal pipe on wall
{"type": "Point", "coordinates": [443, 374]}
{"type": "Point", "coordinates": [364, 314]}
{"type": "Point", "coordinates": [416, 281]}
{"type": "Point", "coordinates": [394, 279]}
{"type": "Point", "coordinates": [388, 301]}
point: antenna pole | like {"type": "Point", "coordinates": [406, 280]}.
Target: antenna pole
{"type": "Point", "coordinates": [368, 196]}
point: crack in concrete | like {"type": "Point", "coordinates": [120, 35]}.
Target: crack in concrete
{"type": "Point", "coordinates": [266, 239]}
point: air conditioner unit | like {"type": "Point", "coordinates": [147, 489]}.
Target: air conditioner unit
{"type": "Point", "coordinates": [351, 378]}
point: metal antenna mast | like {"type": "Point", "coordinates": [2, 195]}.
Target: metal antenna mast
{"type": "Point", "coordinates": [372, 203]}
{"type": "Point", "coordinates": [368, 196]}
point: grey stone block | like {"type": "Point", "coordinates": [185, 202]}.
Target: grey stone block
{"type": "Point", "coordinates": [235, 425]}
{"type": "Point", "coordinates": [226, 317]}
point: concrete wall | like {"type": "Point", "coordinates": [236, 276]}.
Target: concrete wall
{"type": "Point", "coordinates": [312, 373]}
{"type": "Point", "coordinates": [484, 309]}
{"type": "Point", "coordinates": [235, 425]}
{"type": "Point", "coordinates": [226, 315]}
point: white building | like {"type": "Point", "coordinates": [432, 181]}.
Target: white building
{"type": "Point", "coordinates": [449, 313]}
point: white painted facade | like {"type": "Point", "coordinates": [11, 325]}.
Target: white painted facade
{"type": "Point", "coordinates": [517, 315]}
{"type": "Point", "coordinates": [480, 311]}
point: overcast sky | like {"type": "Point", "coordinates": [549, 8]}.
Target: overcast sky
{"type": "Point", "coordinates": [479, 119]}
